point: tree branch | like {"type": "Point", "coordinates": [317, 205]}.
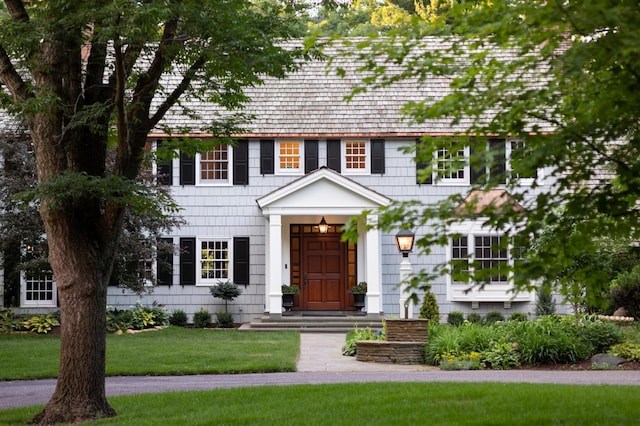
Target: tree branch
{"type": "Point", "coordinates": [16, 10]}
{"type": "Point", "coordinates": [10, 77]}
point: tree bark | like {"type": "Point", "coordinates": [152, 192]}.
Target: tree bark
{"type": "Point", "coordinates": [82, 269]}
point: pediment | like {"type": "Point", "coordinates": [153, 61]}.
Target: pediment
{"type": "Point", "coordinates": [322, 190]}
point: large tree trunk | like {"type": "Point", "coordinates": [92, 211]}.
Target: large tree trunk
{"type": "Point", "coordinates": [82, 267]}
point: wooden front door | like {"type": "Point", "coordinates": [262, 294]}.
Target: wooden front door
{"type": "Point", "coordinates": [323, 272]}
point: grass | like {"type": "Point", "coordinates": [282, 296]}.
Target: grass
{"type": "Point", "coordinates": [172, 351]}
{"type": "Point", "coordinates": [377, 404]}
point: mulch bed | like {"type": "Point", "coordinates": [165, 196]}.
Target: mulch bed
{"type": "Point", "coordinates": [582, 365]}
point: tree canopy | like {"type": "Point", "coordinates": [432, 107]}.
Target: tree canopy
{"type": "Point", "coordinates": [561, 75]}
{"type": "Point", "coordinates": [89, 78]}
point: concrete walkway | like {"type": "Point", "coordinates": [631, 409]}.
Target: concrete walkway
{"type": "Point", "coordinates": [320, 362]}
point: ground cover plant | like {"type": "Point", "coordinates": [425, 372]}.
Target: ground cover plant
{"type": "Point", "coordinates": [547, 340]}
{"type": "Point", "coordinates": [373, 404]}
{"type": "Point", "coordinates": [170, 351]}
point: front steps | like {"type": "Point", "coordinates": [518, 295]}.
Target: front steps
{"type": "Point", "coordinates": [314, 322]}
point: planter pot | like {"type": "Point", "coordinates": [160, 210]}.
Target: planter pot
{"type": "Point", "coordinates": [358, 300]}
{"type": "Point", "coordinates": [287, 301]}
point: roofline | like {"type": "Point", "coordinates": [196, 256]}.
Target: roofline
{"type": "Point", "coordinates": [326, 135]}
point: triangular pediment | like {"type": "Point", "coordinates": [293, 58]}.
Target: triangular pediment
{"type": "Point", "coordinates": [322, 190]}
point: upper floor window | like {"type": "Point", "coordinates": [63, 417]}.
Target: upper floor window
{"type": "Point", "coordinates": [517, 154]}
{"type": "Point", "coordinates": [214, 166]}
{"type": "Point", "coordinates": [290, 155]}
{"type": "Point", "coordinates": [451, 165]}
{"type": "Point", "coordinates": [356, 156]}
{"type": "Point", "coordinates": [213, 262]}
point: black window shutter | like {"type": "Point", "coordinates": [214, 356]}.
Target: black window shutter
{"type": "Point", "coordinates": [241, 260]}
{"type": "Point", "coordinates": [165, 170]}
{"type": "Point", "coordinates": [422, 165]}
{"type": "Point", "coordinates": [498, 172]}
{"type": "Point", "coordinates": [377, 156]}
{"type": "Point", "coordinates": [187, 261]}
{"type": "Point", "coordinates": [266, 156]}
{"type": "Point", "coordinates": [187, 169]}
{"type": "Point", "coordinates": [164, 263]}
{"type": "Point", "coordinates": [310, 155]}
{"type": "Point", "coordinates": [241, 162]}
{"type": "Point", "coordinates": [333, 154]}
{"type": "Point", "coordinates": [477, 166]}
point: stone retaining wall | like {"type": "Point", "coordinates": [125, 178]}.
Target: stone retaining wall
{"type": "Point", "coordinates": [404, 345]}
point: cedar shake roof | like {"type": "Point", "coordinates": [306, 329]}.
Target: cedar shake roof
{"type": "Point", "coordinates": [310, 103]}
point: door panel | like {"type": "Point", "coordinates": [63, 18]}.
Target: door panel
{"type": "Point", "coordinates": [324, 272]}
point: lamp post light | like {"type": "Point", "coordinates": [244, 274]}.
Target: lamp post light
{"type": "Point", "coordinates": [404, 241]}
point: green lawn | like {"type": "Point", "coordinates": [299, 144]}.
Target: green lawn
{"type": "Point", "coordinates": [171, 351]}
{"type": "Point", "coordinates": [378, 404]}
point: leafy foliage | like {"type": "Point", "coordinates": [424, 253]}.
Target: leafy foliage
{"type": "Point", "coordinates": [178, 318]}
{"type": "Point", "coordinates": [625, 291]}
{"type": "Point", "coordinates": [8, 321]}
{"type": "Point", "coordinates": [455, 318]}
{"type": "Point", "coordinates": [202, 318]}
{"type": "Point", "coordinates": [356, 334]}
{"type": "Point", "coordinates": [563, 76]}
{"type": "Point", "coordinates": [493, 316]}
{"type": "Point", "coordinates": [41, 324]}
{"type": "Point", "coordinates": [224, 320]}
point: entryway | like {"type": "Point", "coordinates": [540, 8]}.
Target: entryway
{"type": "Point", "coordinates": [324, 267]}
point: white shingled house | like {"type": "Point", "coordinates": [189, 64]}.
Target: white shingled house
{"type": "Point", "coordinates": [310, 158]}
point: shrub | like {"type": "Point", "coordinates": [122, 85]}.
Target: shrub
{"type": "Point", "coordinates": [464, 361]}
{"type": "Point", "coordinates": [202, 318]}
{"type": "Point", "coordinates": [443, 341]}
{"type": "Point", "coordinates": [224, 320]}
{"type": "Point", "coordinates": [8, 322]}
{"type": "Point", "coordinates": [225, 290]}
{"type": "Point", "coordinates": [625, 291]}
{"type": "Point", "coordinates": [501, 356]}
{"type": "Point", "coordinates": [493, 317]}
{"type": "Point", "coordinates": [429, 309]}
{"type": "Point", "coordinates": [119, 320]}
{"type": "Point", "coordinates": [455, 318]}
{"type": "Point", "coordinates": [41, 324]}
{"type": "Point", "coordinates": [356, 334]}
{"type": "Point", "coordinates": [518, 316]}
{"type": "Point", "coordinates": [600, 335]}
{"type": "Point", "coordinates": [178, 318]}
{"type": "Point", "coordinates": [545, 305]}
{"type": "Point", "coordinates": [628, 350]}
{"type": "Point", "coordinates": [160, 316]}
{"type": "Point", "coordinates": [474, 318]}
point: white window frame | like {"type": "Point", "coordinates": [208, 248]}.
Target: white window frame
{"type": "Point", "coordinates": [497, 291]}
{"type": "Point", "coordinates": [44, 277]}
{"type": "Point", "coordinates": [200, 281]}
{"type": "Point", "coordinates": [211, 182]}
{"type": "Point", "coordinates": [289, 171]}
{"type": "Point", "coordinates": [527, 181]}
{"type": "Point", "coordinates": [367, 162]}
{"type": "Point", "coordinates": [444, 180]}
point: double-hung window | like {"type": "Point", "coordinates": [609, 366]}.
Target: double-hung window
{"type": "Point", "coordinates": [214, 166]}
{"type": "Point", "coordinates": [290, 157]}
{"type": "Point", "coordinates": [38, 289]}
{"type": "Point", "coordinates": [213, 261]}
{"type": "Point", "coordinates": [356, 156]}
{"type": "Point", "coordinates": [451, 165]}
{"type": "Point", "coordinates": [517, 156]}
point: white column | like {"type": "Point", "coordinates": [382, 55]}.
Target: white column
{"type": "Point", "coordinates": [406, 305]}
{"type": "Point", "coordinates": [273, 260]}
{"type": "Point", "coordinates": [373, 259]}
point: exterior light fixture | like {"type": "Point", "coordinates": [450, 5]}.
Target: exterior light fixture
{"type": "Point", "coordinates": [404, 241]}
{"type": "Point", "coordinates": [323, 226]}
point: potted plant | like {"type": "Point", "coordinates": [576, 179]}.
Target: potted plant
{"type": "Point", "coordinates": [359, 291]}
{"type": "Point", "coordinates": [288, 291]}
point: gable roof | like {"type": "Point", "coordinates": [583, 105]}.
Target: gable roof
{"type": "Point", "coordinates": [322, 190]}
{"type": "Point", "coordinates": [310, 102]}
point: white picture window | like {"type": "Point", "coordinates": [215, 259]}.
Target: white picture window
{"type": "Point", "coordinates": [290, 157]}
{"type": "Point", "coordinates": [38, 290]}
{"type": "Point", "coordinates": [214, 167]}
{"type": "Point", "coordinates": [356, 156]}
{"type": "Point", "coordinates": [214, 260]}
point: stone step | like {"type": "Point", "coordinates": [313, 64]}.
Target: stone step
{"type": "Point", "coordinates": [318, 324]}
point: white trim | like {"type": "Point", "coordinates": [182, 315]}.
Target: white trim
{"type": "Point", "coordinates": [208, 182]}
{"type": "Point", "coordinates": [447, 181]}
{"type": "Point", "coordinates": [516, 180]}
{"type": "Point", "coordinates": [207, 282]}
{"type": "Point", "coordinates": [281, 171]}
{"type": "Point", "coordinates": [367, 161]}
{"type": "Point", "coordinates": [52, 303]}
